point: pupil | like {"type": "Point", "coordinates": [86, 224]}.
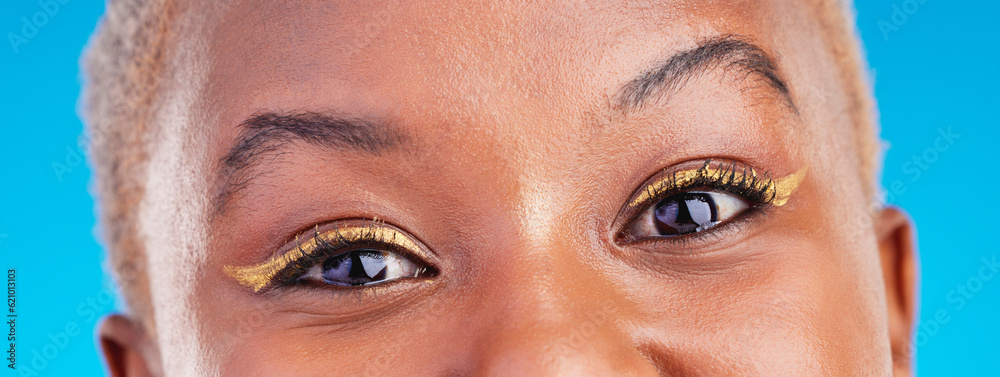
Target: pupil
{"type": "Point", "coordinates": [686, 213]}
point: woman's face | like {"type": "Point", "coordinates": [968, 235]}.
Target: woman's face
{"type": "Point", "coordinates": [573, 188]}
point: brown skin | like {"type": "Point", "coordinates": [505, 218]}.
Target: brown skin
{"type": "Point", "coordinates": [513, 170]}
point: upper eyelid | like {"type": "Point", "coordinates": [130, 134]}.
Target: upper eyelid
{"type": "Point", "coordinates": [700, 240]}
{"type": "Point", "coordinates": [775, 191]}
{"type": "Point", "coordinates": [726, 172]}
{"type": "Point", "coordinates": [294, 262]}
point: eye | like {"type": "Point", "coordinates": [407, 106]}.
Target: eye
{"type": "Point", "coordinates": [364, 267]}
{"type": "Point", "coordinates": [685, 213]}
{"type": "Point", "coordinates": [351, 252]}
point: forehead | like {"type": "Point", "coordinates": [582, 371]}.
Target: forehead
{"type": "Point", "coordinates": [455, 59]}
{"type": "Point", "coordinates": [520, 84]}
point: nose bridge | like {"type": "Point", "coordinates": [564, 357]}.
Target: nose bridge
{"type": "Point", "coordinates": [553, 314]}
{"type": "Point", "coordinates": [550, 308]}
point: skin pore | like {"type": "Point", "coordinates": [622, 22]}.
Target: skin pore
{"type": "Point", "coordinates": [503, 148]}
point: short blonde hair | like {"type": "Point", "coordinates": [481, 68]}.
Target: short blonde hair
{"type": "Point", "coordinates": [122, 66]}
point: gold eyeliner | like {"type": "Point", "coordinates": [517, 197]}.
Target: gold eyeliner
{"type": "Point", "coordinates": [261, 275]}
{"type": "Point", "coordinates": [785, 186]}
{"type": "Point", "coordinates": [775, 191]}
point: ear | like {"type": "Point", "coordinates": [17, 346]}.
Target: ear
{"type": "Point", "coordinates": [896, 240]}
{"type": "Point", "coordinates": [129, 352]}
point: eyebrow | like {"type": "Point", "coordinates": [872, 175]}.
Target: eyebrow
{"type": "Point", "coordinates": [264, 134]}
{"type": "Point", "coordinates": [731, 52]}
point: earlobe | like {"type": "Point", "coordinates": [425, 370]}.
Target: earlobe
{"type": "Point", "coordinates": [897, 249]}
{"type": "Point", "coordinates": [128, 350]}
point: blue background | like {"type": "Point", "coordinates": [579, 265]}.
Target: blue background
{"type": "Point", "coordinates": [934, 69]}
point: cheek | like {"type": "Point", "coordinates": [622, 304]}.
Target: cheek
{"type": "Point", "coordinates": [789, 308]}
{"type": "Point", "coordinates": [300, 338]}
{"type": "Point", "coordinates": [273, 351]}
{"type": "Point", "coordinates": [379, 351]}
{"type": "Point", "coordinates": [848, 265]}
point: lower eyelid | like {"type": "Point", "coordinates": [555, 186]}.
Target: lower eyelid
{"type": "Point", "coordinates": [709, 240]}
{"type": "Point", "coordinates": [336, 306]}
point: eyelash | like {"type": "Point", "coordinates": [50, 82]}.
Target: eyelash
{"type": "Point", "coordinates": [327, 249]}
{"type": "Point", "coordinates": [730, 177]}
{"type": "Point", "coordinates": [287, 269]}
{"type": "Point", "coordinates": [324, 250]}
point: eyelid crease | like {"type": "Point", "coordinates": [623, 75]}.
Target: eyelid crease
{"type": "Point", "coordinates": [777, 191]}
{"type": "Point", "coordinates": [259, 276]}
